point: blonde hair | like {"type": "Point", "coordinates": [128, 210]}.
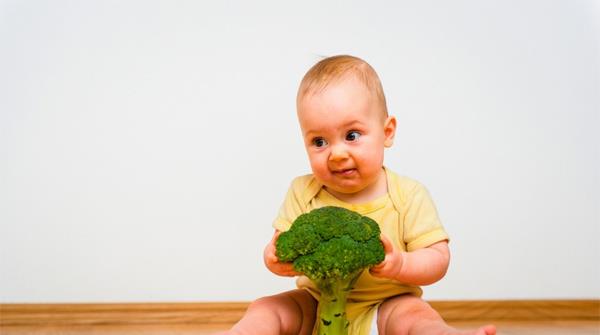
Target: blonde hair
{"type": "Point", "coordinates": [335, 68]}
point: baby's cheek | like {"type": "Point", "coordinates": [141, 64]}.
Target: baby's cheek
{"type": "Point", "coordinates": [319, 169]}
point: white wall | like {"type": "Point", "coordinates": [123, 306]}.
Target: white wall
{"type": "Point", "coordinates": [145, 146]}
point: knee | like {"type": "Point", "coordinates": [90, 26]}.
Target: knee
{"type": "Point", "coordinates": [288, 303]}
{"type": "Point", "coordinates": [407, 304]}
{"type": "Point", "coordinates": [398, 314]}
{"type": "Point", "coordinates": [263, 303]}
{"type": "Point", "coordinates": [293, 312]}
{"type": "Point", "coordinates": [260, 313]}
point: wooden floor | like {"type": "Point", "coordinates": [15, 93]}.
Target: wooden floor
{"type": "Point", "coordinates": [543, 317]}
{"type": "Point", "coordinates": [540, 328]}
{"type": "Point", "coordinates": [504, 328]}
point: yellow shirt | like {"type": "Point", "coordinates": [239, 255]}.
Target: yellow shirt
{"type": "Point", "coordinates": [406, 215]}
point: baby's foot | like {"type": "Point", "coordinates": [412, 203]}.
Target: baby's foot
{"type": "Point", "coordinates": [229, 332]}
{"type": "Point", "coordinates": [437, 327]}
{"type": "Point", "coordinates": [485, 330]}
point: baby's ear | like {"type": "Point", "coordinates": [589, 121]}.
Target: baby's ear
{"type": "Point", "coordinates": [389, 130]}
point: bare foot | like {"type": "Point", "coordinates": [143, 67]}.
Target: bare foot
{"type": "Point", "coordinates": [485, 330]}
{"type": "Point", "coordinates": [429, 327]}
{"type": "Point", "coordinates": [227, 332]}
{"type": "Point", "coordinates": [232, 331]}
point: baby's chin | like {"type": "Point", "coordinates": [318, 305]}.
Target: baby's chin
{"type": "Point", "coordinates": [347, 191]}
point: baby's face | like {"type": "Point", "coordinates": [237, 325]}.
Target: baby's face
{"type": "Point", "coordinates": [345, 133]}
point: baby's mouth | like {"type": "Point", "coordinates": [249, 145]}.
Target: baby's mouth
{"type": "Point", "coordinates": [345, 172]}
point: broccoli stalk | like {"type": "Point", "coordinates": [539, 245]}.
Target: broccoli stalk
{"type": "Point", "coordinates": [332, 304]}
{"type": "Point", "coordinates": [331, 246]}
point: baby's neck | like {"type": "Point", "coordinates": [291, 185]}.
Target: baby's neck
{"type": "Point", "coordinates": [372, 192]}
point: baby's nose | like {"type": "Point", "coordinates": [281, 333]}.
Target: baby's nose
{"type": "Point", "coordinates": [338, 152]}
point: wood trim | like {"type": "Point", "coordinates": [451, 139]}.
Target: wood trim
{"type": "Point", "coordinates": [222, 313]}
{"type": "Point", "coordinates": [121, 314]}
{"type": "Point", "coordinates": [522, 310]}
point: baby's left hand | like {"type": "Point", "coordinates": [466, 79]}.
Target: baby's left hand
{"type": "Point", "coordinates": [391, 265]}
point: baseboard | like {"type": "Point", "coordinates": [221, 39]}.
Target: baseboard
{"type": "Point", "coordinates": [513, 310]}
{"type": "Point", "coordinates": [121, 314]}
{"type": "Point", "coordinates": [228, 313]}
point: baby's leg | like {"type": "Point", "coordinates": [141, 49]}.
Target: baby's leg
{"type": "Point", "coordinates": [410, 315]}
{"type": "Point", "coordinates": [291, 312]}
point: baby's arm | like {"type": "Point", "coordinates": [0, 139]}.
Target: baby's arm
{"type": "Point", "coordinates": [273, 263]}
{"type": "Point", "coordinates": [420, 267]}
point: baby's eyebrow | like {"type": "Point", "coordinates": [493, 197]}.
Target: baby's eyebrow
{"type": "Point", "coordinates": [311, 134]}
{"type": "Point", "coordinates": [352, 123]}
{"type": "Point", "coordinates": [349, 124]}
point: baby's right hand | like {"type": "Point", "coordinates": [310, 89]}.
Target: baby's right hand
{"type": "Point", "coordinates": [273, 263]}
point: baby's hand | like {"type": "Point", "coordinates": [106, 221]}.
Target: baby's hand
{"type": "Point", "coordinates": [273, 263]}
{"type": "Point", "coordinates": [391, 265]}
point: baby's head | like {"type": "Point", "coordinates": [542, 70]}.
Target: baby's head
{"type": "Point", "coordinates": [345, 125]}
{"type": "Point", "coordinates": [332, 70]}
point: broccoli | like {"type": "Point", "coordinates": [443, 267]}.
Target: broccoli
{"type": "Point", "coordinates": [331, 246]}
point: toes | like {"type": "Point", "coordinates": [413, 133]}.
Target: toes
{"type": "Point", "coordinates": [489, 330]}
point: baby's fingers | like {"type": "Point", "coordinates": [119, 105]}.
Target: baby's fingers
{"type": "Point", "coordinates": [271, 257]}
{"type": "Point", "coordinates": [378, 267]}
{"type": "Point", "coordinates": [275, 237]}
{"type": "Point", "coordinates": [388, 247]}
{"type": "Point", "coordinates": [377, 270]}
{"type": "Point", "coordinates": [287, 269]}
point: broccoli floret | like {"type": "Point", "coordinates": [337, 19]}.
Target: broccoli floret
{"type": "Point", "coordinates": [331, 246]}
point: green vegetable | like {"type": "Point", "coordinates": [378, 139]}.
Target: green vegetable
{"type": "Point", "coordinates": [331, 246]}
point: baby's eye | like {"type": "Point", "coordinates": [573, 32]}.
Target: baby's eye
{"type": "Point", "coordinates": [352, 136]}
{"type": "Point", "coordinates": [319, 142]}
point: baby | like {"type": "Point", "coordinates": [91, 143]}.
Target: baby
{"type": "Point", "coordinates": [346, 127]}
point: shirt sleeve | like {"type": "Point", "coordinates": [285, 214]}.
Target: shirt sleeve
{"type": "Point", "coordinates": [422, 226]}
{"type": "Point", "coordinates": [292, 205]}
